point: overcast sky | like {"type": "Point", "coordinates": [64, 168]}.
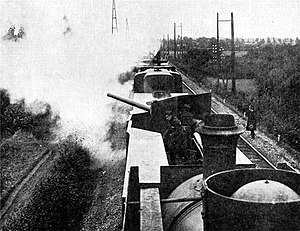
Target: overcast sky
{"type": "Point", "coordinates": [252, 18]}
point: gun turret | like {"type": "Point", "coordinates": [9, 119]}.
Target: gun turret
{"type": "Point", "coordinates": [130, 102]}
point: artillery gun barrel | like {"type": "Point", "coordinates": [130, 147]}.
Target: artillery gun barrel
{"type": "Point", "coordinates": [130, 102]}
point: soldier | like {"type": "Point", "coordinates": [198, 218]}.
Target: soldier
{"type": "Point", "coordinates": [251, 122]}
{"type": "Point", "coordinates": [158, 58]}
{"type": "Point", "coordinates": [186, 116]}
{"type": "Point", "coordinates": [174, 137]}
{"type": "Point", "coordinates": [11, 31]}
{"type": "Point", "coordinates": [21, 32]}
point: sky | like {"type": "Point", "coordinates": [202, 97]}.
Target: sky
{"type": "Point", "coordinates": [252, 18]}
{"type": "Point", "coordinates": [156, 18]}
{"type": "Point", "coordinates": [73, 69]}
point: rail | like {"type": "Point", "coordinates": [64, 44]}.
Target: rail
{"type": "Point", "coordinates": [245, 147]}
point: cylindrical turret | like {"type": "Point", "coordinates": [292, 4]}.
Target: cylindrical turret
{"type": "Point", "coordinates": [219, 139]}
{"type": "Point", "coordinates": [252, 199]}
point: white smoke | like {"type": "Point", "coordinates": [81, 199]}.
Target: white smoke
{"type": "Point", "coordinates": [71, 69]}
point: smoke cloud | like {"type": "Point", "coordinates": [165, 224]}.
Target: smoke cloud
{"type": "Point", "coordinates": [68, 58]}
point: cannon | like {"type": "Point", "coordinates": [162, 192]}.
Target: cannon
{"type": "Point", "coordinates": [129, 101]}
{"type": "Point", "coordinates": [154, 117]}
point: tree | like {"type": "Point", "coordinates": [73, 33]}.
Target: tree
{"type": "Point", "coordinates": [262, 42]}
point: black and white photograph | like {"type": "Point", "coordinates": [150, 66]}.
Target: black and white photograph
{"type": "Point", "coordinates": [150, 115]}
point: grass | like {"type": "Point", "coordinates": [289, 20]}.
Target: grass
{"type": "Point", "coordinates": [242, 85]}
{"type": "Point", "coordinates": [17, 154]}
{"type": "Point", "coordinates": [58, 195]}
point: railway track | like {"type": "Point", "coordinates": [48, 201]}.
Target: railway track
{"type": "Point", "coordinates": [22, 182]}
{"type": "Point", "coordinates": [253, 155]}
{"type": "Point", "coordinates": [243, 145]}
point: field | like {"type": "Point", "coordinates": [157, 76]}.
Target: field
{"type": "Point", "coordinates": [242, 85]}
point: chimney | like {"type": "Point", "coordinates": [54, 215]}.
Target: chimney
{"type": "Point", "coordinates": [219, 136]}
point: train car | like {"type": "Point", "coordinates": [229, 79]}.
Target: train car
{"type": "Point", "coordinates": [154, 80]}
{"type": "Point", "coordinates": [156, 62]}
{"type": "Point", "coordinates": [205, 184]}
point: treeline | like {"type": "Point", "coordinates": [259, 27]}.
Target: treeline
{"type": "Point", "coordinates": [187, 43]}
{"type": "Point", "coordinates": [276, 72]}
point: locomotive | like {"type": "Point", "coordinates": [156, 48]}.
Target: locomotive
{"type": "Point", "coordinates": [209, 185]}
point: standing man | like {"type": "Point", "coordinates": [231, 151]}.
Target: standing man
{"type": "Point", "coordinates": [186, 116]}
{"type": "Point", "coordinates": [174, 137]}
{"type": "Point", "coordinates": [251, 122]}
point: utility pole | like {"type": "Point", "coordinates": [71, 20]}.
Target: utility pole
{"type": "Point", "coordinates": [218, 44]}
{"type": "Point", "coordinates": [233, 89]}
{"type": "Point", "coordinates": [233, 56]}
{"type": "Point", "coordinates": [175, 43]}
{"type": "Point", "coordinates": [163, 46]}
{"type": "Point", "coordinates": [181, 41]}
{"type": "Point", "coordinates": [127, 28]}
{"type": "Point", "coordinates": [114, 18]}
{"type": "Point", "coordinates": [175, 40]}
{"type": "Point", "coordinates": [168, 44]}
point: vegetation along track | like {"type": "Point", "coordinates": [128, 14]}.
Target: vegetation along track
{"type": "Point", "coordinates": [245, 147]}
{"type": "Point", "coordinates": [21, 183]}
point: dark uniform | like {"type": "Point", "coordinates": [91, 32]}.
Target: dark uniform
{"type": "Point", "coordinates": [189, 124]}
{"type": "Point", "coordinates": [251, 122]}
{"type": "Point", "coordinates": [174, 138]}
{"type": "Point", "coordinates": [21, 33]}
{"type": "Point", "coordinates": [11, 31]}
{"type": "Point", "coordinates": [186, 116]}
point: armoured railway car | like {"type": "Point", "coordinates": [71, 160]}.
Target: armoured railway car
{"type": "Point", "coordinates": [210, 185]}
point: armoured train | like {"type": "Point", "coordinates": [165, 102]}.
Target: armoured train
{"type": "Point", "coordinates": [208, 184]}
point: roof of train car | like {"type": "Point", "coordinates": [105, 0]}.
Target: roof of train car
{"type": "Point", "coordinates": [156, 71]}
{"type": "Point", "coordinates": [161, 67]}
{"type": "Point", "coordinates": [141, 153]}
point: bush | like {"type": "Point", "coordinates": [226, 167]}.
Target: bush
{"type": "Point", "coordinates": [16, 116]}
{"type": "Point", "coordinates": [62, 193]}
